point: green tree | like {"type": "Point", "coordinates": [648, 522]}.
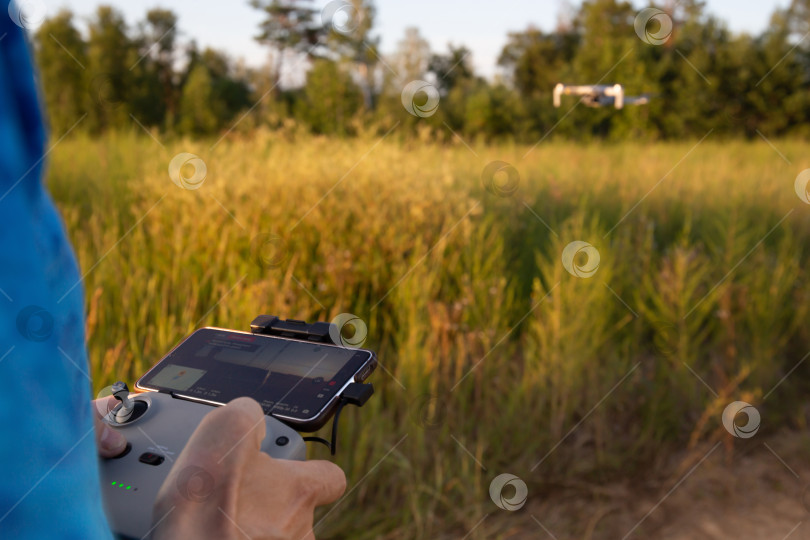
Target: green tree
{"type": "Point", "coordinates": [229, 93]}
{"type": "Point", "coordinates": [62, 57]}
{"type": "Point", "coordinates": [289, 25]}
{"type": "Point", "coordinates": [493, 111]}
{"type": "Point", "coordinates": [154, 95]}
{"type": "Point", "coordinates": [535, 62]}
{"type": "Point", "coordinates": [798, 18]}
{"type": "Point", "coordinates": [456, 81]}
{"type": "Point", "coordinates": [451, 69]}
{"type": "Point", "coordinates": [331, 99]}
{"type": "Point", "coordinates": [776, 94]}
{"type": "Point", "coordinates": [608, 53]}
{"type": "Point", "coordinates": [412, 57]}
{"type": "Point", "coordinates": [108, 76]}
{"type": "Point", "coordinates": [197, 106]}
{"type": "Point", "coordinates": [352, 42]}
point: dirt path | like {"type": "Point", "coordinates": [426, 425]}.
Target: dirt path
{"type": "Point", "coordinates": [760, 490]}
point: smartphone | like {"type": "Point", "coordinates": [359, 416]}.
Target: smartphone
{"type": "Point", "coordinates": [298, 382]}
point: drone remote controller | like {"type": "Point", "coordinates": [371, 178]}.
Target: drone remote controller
{"type": "Point", "coordinates": [158, 424]}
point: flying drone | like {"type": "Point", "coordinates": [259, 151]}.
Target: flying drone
{"type": "Point", "coordinates": [599, 95]}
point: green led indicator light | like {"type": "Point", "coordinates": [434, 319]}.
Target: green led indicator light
{"type": "Point", "coordinates": [113, 483]}
{"type": "Point", "coordinates": [129, 487]}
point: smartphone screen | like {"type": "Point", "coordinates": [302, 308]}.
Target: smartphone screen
{"type": "Point", "coordinates": [293, 380]}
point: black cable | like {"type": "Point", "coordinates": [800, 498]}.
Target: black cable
{"type": "Point", "coordinates": [333, 445]}
{"type": "Point", "coordinates": [340, 406]}
{"type": "Point", "coordinates": [318, 439]}
{"type": "Point", "coordinates": [355, 394]}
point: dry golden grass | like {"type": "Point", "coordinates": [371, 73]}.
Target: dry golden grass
{"type": "Point", "coordinates": [491, 351]}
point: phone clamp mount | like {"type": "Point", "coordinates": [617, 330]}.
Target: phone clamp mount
{"type": "Point", "coordinates": [355, 393]}
{"type": "Point", "coordinates": [158, 425]}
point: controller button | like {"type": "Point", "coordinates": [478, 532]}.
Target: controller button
{"type": "Point", "coordinates": [151, 459]}
{"type": "Point", "coordinates": [124, 452]}
{"type": "Point", "coordinates": [282, 441]}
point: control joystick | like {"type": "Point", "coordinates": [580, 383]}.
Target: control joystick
{"type": "Point", "coordinates": [123, 412]}
{"type": "Point", "coordinates": [127, 409]}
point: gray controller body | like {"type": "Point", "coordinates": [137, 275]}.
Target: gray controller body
{"type": "Point", "coordinates": [130, 483]}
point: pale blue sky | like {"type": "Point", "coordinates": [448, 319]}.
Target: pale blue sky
{"type": "Point", "coordinates": [480, 25]}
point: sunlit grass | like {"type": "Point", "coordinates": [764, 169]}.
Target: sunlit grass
{"type": "Point", "coordinates": [492, 351]}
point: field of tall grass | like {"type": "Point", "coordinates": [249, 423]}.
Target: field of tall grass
{"type": "Point", "coordinates": [495, 358]}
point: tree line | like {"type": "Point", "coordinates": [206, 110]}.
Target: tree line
{"type": "Point", "coordinates": [328, 76]}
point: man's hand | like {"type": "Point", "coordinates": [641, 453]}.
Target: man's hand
{"type": "Point", "coordinates": [222, 486]}
{"type": "Point", "coordinates": [109, 441]}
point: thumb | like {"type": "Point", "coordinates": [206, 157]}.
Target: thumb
{"type": "Point", "coordinates": [109, 441]}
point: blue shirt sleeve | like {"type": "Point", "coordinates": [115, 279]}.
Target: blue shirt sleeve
{"type": "Point", "coordinates": [49, 479]}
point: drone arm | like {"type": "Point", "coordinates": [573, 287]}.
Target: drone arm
{"type": "Point", "coordinates": [558, 90]}
{"type": "Point", "coordinates": [617, 93]}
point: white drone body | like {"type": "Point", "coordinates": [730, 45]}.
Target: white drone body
{"type": "Point", "coordinates": [598, 95]}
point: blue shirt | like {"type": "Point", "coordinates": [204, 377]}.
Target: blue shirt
{"type": "Point", "coordinates": [49, 479]}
